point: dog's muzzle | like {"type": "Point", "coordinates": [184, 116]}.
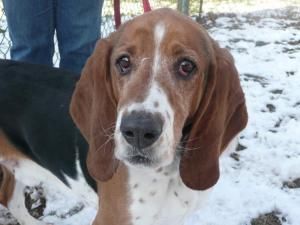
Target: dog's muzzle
{"type": "Point", "coordinates": [141, 130]}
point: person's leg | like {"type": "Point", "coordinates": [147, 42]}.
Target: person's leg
{"type": "Point", "coordinates": [78, 29]}
{"type": "Point", "coordinates": [31, 29]}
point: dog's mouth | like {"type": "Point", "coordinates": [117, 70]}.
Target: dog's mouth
{"type": "Point", "coordinates": [140, 160]}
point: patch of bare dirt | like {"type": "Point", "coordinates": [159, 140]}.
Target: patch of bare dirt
{"type": "Point", "coordinates": [292, 184]}
{"type": "Point", "coordinates": [272, 218]}
{"type": "Point", "coordinates": [35, 201]}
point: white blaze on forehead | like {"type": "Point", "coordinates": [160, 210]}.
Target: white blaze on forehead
{"type": "Point", "coordinates": [159, 32]}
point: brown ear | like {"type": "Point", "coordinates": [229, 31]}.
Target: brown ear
{"type": "Point", "coordinates": [93, 109]}
{"type": "Point", "coordinates": [220, 116]}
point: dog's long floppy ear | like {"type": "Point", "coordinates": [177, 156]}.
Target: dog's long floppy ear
{"type": "Point", "coordinates": [93, 108]}
{"type": "Point", "coordinates": [220, 116]}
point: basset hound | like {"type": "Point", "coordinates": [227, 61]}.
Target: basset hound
{"type": "Point", "coordinates": [158, 102]}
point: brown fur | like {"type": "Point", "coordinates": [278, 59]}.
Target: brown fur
{"type": "Point", "coordinates": [114, 200]}
{"type": "Point", "coordinates": [93, 108]}
{"type": "Point", "coordinates": [7, 150]}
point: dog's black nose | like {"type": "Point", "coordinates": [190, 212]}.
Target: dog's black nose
{"type": "Point", "coordinates": [141, 129]}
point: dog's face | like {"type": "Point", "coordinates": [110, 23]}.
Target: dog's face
{"type": "Point", "coordinates": [157, 84]}
{"type": "Point", "coordinates": [158, 74]}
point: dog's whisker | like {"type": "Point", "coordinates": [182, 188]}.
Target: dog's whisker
{"type": "Point", "coordinates": [104, 144]}
{"type": "Point", "coordinates": [184, 149]}
{"type": "Point", "coordinates": [190, 140]}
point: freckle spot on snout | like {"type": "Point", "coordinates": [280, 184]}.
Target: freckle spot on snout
{"type": "Point", "coordinates": [135, 186]}
{"type": "Point", "coordinates": [141, 200]}
{"type": "Point", "coordinates": [152, 193]}
{"type": "Point", "coordinates": [154, 180]}
{"type": "Point", "coordinates": [155, 104]}
{"type": "Point", "coordinates": [137, 218]}
{"type": "Point", "coordinates": [175, 193]}
{"type": "Point", "coordinates": [159, 170]}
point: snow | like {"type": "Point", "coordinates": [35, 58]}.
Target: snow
{"type": "Point", "coordinates": [266, 48]}
{"type": "Point", "coordinates": [239, 6]}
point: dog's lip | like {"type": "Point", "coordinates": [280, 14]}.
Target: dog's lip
{"type": "Point", "coordinates": [139, 160]}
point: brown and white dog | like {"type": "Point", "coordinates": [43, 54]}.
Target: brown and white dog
{"type": "Point", "coordinates": [158, 102]}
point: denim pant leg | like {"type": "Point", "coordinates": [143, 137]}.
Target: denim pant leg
{"type": "Point", "coordinates": [31, 29]}
{"type": "Point", "coordinates": [78, 29]}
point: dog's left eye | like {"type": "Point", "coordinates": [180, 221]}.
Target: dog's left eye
{"type": "Point", "coordinates": [124, 65]}
{"type": "Point", "coordinates": [185, 67]}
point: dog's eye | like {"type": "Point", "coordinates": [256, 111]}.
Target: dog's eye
{"type": "Point", "coordinates": [124, 65]}
{"type": "Point", "coordinates": [186, 67]}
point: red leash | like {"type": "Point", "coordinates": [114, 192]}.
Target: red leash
{"type": "Point", "coordinates": [146, 6]}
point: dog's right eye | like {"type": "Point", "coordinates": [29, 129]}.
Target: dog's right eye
{"type": "Point", "coordinates": [185, 68]}
{"type": "Point", "coordinates": [123, 65]}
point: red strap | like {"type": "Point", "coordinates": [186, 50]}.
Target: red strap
{"type": "Point", "coordinates": [146, 6]}
{"type": "Point", "coordinates": [117, 13]}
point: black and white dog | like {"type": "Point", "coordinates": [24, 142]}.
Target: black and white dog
{"type": "Point", "coordinates": [35, 121]}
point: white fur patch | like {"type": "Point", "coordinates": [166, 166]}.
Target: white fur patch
{"type": "Point", "coordinates": [160, 197]}
{"type": "Point", "coordinates": [159, 32]}
{"type": "Point", "coordinates": [80, 187]}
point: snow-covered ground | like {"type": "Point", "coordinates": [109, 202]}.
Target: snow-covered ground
{"type": "Point", "coordinates": [266, 48]}
{"type": "Point", "coordinates": [262, 176]}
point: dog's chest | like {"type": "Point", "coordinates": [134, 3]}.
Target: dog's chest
{"type": "Point", "coordinates": [159, 198]}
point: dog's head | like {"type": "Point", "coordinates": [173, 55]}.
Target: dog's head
{"type": "Point", "coordinates": [158, 88]}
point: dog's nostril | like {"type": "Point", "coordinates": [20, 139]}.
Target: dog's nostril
{"type": "Point", "coordinates": [149, 135]}
{"type": "Point", "coordinates": [129, 134]}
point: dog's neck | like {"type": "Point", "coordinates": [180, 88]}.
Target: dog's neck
{"type": "Point", "coordinates": [143, 197]}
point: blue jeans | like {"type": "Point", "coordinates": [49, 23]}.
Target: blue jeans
{"type": "Point", "coordinates": [32, 24]}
